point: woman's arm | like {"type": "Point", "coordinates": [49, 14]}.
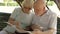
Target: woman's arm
{"type": "Point", "coordinates": [11, 21]}
{"type": "Point", "coordinates": [17, 24]}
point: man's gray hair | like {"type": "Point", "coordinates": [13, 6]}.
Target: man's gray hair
{"type": "Point", "coordinates": [27, 3]}
{"type": "Point", "coordinates": [44, 1]}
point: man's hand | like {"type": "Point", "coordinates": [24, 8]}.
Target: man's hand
{"type": "Point", "coordinates": [50, 31]}
{"type": "Point", "coordinates": [36, 27]}
{"type": "Point", "coordinates": [37, 32]}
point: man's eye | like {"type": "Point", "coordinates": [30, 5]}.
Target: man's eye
{"type": "Point", "coordinates": [37, 9]}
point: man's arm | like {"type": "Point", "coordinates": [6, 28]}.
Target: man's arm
{"type": "Point", "coordinates": [37, 31]}
{"type": "Point", "coordinates": [50, 31]}
{"type": "Point", "coordinates": [52, 26]}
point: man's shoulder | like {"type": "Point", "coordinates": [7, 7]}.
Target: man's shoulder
{"type": "Point", "coordinates": [51, 12]}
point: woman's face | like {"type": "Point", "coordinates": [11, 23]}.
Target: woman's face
{"type": "Point", "coordinates": [26, 9]}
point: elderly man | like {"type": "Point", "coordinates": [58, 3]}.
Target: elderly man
{"type": "Point", "coordinates": [19, 19]}
{"type": "Point", "coordinates": [46, 20]}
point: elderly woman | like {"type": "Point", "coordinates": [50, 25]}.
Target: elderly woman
{"type": "Point", "coordinates": [46, 20]}
{"type": "Point", "coordinates": [20, 18]}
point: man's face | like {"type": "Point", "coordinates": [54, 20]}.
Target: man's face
{"type": "Point", "coordinates": [38, 7]}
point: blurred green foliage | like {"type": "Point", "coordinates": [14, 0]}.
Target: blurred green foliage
{"type": "Point", "coordinates": [2, 4]}
{"type": "Point", "coordinates": [50, 0]}
{"type": "Point", "coordinates": [50, 3]}
{"type": "Point", "coordinates": [8, 3]}
{"type": "Point", "coordinates": [11, 3]}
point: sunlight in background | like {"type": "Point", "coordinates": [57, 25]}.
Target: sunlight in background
{"type": "Point", "coordinates": [1, 1]}
{"type": "Point", "coordinates": [7, 6]}
{"type": "Point", "coordinates": [54, 8]}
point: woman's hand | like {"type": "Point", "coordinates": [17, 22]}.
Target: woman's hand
{"type": "Point", "coordinates": [17, 24]}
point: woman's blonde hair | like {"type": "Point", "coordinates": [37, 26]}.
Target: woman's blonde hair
{"type": "Point", "coordinates": [27, 3]}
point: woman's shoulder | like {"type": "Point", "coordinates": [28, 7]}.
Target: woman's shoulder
{"type": "Point", "coordinates": [18, 8]}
